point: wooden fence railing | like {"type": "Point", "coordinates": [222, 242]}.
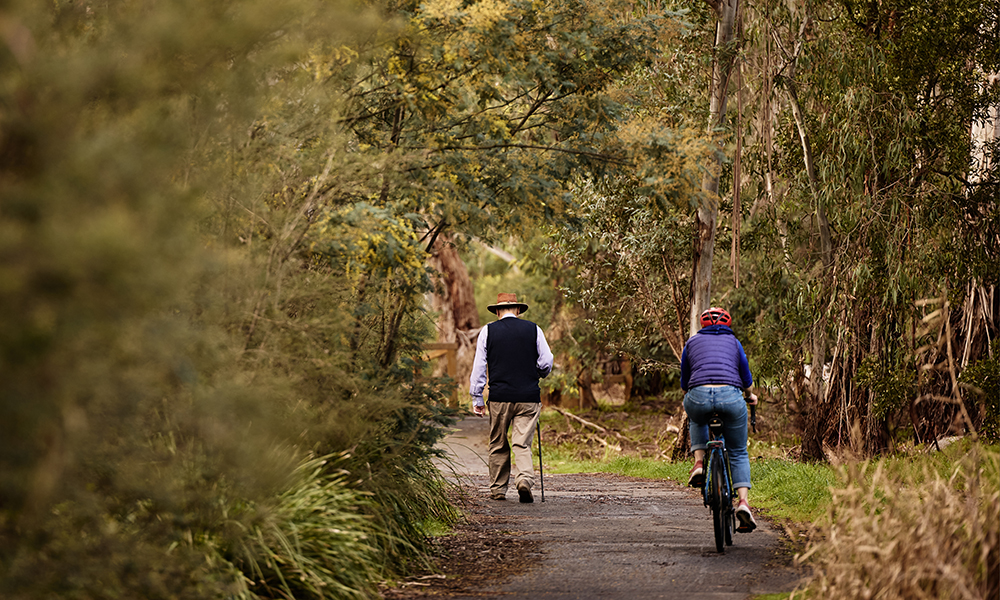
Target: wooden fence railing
{"type": "Point", "coordinates": [446, 350]}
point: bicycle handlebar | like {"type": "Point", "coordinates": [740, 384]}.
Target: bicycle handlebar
{"type": "Point", "coordinates": [753, 410]}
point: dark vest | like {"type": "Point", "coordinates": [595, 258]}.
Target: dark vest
{"type": "Point", "coordinates": [512, 361]}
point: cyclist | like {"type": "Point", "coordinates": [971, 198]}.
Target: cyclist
{"type": "Point", "coordinates": [715, 375]}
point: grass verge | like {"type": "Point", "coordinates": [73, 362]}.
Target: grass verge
{"type": "Point", "coordinates": [923, 527]}
{"type": "Point", "coordinates": [784, 489]}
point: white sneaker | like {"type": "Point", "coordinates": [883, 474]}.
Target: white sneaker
{"type": "Point", "coordinates": [696, 478]}
{"type": "Point", "coordinates": [747, 522]}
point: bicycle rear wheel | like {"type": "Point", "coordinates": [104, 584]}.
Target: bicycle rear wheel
{"type": "Point", "coordinates": [728, 505]}
{"type": "Point", "coordinates": [720, 496]}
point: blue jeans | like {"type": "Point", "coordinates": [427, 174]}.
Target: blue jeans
{"type": "Point", "coordinates": [699, 403]}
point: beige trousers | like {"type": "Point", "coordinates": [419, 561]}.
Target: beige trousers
{"type": "Point", "coordinates": [521, 418]}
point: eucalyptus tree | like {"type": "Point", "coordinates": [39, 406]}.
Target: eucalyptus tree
{"type": "Point", "coordinates": [725, 52]}
{"type": "Point", "coordinates": [866, 230]}
{"type": "Point", "coordinates": [879, 102]}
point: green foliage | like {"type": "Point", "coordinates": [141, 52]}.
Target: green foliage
{"type": "Point", "coordinates": [129, 427]}
{"type": "Point", "coordinates": [482, 112]}
{"type": "Point", "coordinates": [179, 344]}
{"type": "Point", "coordinates": [312, 544]}
{"type": "Point", "coordinates": [620, 274]}
{"type": "Point", "coordinates": [983, 381]}
{"type": "Point", "coordinates": [792, 490]}
{"type": "Point", "coordinates": [889, 95]}
{"type": "Point", "coordinates": [526, 275]}
{"type": "Point", "coordinates": [891, 386]}
{"type": "Point", "coordinates": [352, 382]}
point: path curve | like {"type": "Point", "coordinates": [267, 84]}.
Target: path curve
{"type": "Point", "coordinates": [613, 537]}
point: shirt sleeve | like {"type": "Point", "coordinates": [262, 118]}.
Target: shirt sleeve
{"type": "Point", "coordinates": [685, 369]}
{"type": "Point", "coordinates": [544, 363]}
{"type": "Point", "coordinates": [477, 380]}
{"type": "Point", "coordinates": [744, 367]}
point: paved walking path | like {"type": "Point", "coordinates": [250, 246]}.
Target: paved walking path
{"type": "Point", "coordinates": [612, 537]}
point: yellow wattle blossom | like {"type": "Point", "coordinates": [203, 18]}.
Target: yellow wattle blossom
{"type": "Point", "coordinates": [441, 9]}
{"type": "Point", "coordinates": [486, 13]}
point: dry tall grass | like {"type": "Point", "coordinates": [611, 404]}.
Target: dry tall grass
{"type": "Point", "coordinates": [894, 535]}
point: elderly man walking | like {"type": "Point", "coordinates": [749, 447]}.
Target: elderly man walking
{"type": "Point", "coordinates": [514, 353]}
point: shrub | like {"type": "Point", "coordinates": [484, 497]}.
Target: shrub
{"type": "Point", "coordinates": [313, 544]}
{"type": "Point", "coordinates": [888, 537]}
{"type": "Point", "coordinates": [982, 379]}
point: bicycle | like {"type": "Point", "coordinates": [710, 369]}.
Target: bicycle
{"type": "Point", "coordinates": [718, 487]}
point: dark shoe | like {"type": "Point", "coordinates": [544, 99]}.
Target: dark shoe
{"type": "Point", "coordinates": [747, 523]}
{"type": "Point", "coordinates": [524, 492]}
{"type": "Point", "coordinates": [498, 496]}
{"type": "Point", "coordinates": [696, 478]}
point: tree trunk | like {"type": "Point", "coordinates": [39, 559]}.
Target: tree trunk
{"type": "Point", "coordinates": [707, 217]}
{"type": "Point", "coordinates": [585, 382]}
{"type": "Point", "coordinates": [708, 213]}
{"type": "Point", "coordinates": [682, 444]}
{"type": "Point", "coordinates": [984, 133]}
{"type": "Point", "coordinates": [458, 317]}
{"type": "Point", "coordinates": [819, 410]}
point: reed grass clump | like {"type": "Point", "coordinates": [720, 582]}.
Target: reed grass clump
{"type": "Point", "coordinates": [890, 535]}
{"type": "Point", "coordinates": [315, 543]}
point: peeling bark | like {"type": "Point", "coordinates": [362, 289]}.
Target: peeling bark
{"type": "Point", "coordinates": [455, 302]}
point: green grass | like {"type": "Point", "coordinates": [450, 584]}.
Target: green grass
{"type": "Point", "coordinates": [916, 467]}
{"type": "Point", "coordinates": [435, 527]}
{"type": "Point", "coordinates": [787, 489]}
{"type": "Point", "coordinates": [782, 488]}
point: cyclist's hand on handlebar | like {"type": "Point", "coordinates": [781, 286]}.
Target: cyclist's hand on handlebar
{"type": "Point", "coordinates": [751, 399]}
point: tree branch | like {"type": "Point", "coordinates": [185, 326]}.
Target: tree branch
{"type": "Point", "coordinates": [597, 155]}
{"type": "Point", "coordinates": [434, 233]}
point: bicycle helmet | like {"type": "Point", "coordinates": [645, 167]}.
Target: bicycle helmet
{"type": "Point", "coordinates": [716, 316]}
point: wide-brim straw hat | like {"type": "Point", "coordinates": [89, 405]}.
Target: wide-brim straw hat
{"type": "Point", "coordinates": [507, 301]}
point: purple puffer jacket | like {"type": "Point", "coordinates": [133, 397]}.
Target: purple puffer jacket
{"type": "Point", "coordinates": [714, 356]}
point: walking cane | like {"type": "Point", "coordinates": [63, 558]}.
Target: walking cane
{"type": "Point", "coordinates": [541, 473]}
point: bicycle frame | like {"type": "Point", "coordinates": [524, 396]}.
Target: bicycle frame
{"type": "Point", "coordinates": [718, 488]}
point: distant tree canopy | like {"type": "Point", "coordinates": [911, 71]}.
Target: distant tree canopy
{"type": "Point", "coordinates": [474, 117]}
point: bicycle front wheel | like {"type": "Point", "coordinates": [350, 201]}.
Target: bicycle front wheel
{"type": "Point", "coordinates": [730, 522]}
{"type": "Point", "coordinates": [720, 497]}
